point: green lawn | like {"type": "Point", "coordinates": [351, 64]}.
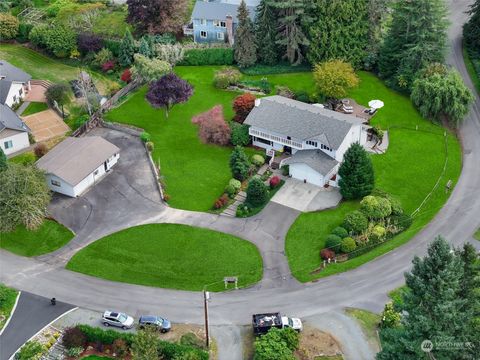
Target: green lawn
{"type": "Point", "coordinates": [409, 171]}
{"type": "Point", "coordinates": [49, 237]}
{"type": "Point", "coordinates": [477, 235]}
{"type": "Point", "coordinates": [25, 158]}
{"type": "Point", "coordinates": [170, 256]}
{"type": "Point", "coordinates": [195, 174]}
{"type": "Point", "coordinates": [474, 76]}
{"type": "Point", "coordinates": [42, 67]}
{"type": "Point", "coordinates": [34, 107]}
{"type": "Point", "coordinates": [8, 296]}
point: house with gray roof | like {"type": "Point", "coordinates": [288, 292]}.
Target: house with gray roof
{"type": "Point", "coordinates": [215, 21]}
{"type": "Point", "coordinates": [13, 131]}
{"type": "Point", "coordinates": [315, 138]}
{"type": "Point", "coordinates": [14, 84]}
{"type": "Point", "coordinates": [76, 164]}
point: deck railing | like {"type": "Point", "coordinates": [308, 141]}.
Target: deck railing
{"type": "Point", "coordinates": [277, 139]}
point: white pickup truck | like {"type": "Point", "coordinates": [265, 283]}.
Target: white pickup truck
{"type": "Point", "coordinates": [264, 322]}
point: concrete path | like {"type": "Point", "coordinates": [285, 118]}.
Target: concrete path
{"type": "Point", "coordinates": [32, 314]}
{"type": "Point", "coordinates": [22, 108]}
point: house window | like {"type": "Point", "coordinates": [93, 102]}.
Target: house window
{"type": "Point", "coordinates": [220, 36]}
{"type": "Point", "coordinates": [203, 34]}
{"type": "Point", "coordinates": [8, 144]}
{"type": "Point", "coordinates": [20, 92]}
{"type": "Point", "coordinates": [312, 143]}
{"type": "Point", "coordinates": [55, 183]}
{"type": "Point", "coordinates": [268, 142]}
{"type": "Point", "coordinates": [14, 98]}
{"type": "Point", "coordinates": [203, 21]}
{"type": "Point", "coordinates": [223, 24]}
{"type": "Point", "coordinates": [323, 147]}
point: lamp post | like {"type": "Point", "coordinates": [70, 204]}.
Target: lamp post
{"type": "Point", "coordinates": [206, 297]}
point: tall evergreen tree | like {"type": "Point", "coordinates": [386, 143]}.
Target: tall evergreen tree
{"type": "Point", "coordinates": [341, 36]}
{"type": "Point", "coordinates": [145, 48]}
{"type": "Point", "coordinates": [417, 37]}
{"type": "Point", "coordinates": [471, 30]}
{"type": "Point", "coordinates": [378, 15]}
{"type": "Point", "coordinates": [3, 160]}
{"type": "Point", "coordinates": [293, 17]}
{"type": "Point", "coordinates": [266, 32]}
{"type": "Point", "coordinates": [245, 47]}
{"type": "Point", "coordinates": [433, 309]}
{"type": "Point", "coordinates": [239, 163]}
{"type": "Point", "coordinates": [127, 49]}
{"type": "Point", "coordinates": [356, 173]}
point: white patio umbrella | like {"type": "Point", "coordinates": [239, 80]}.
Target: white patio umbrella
{"type": "Point", "coordinates": [375, 104]}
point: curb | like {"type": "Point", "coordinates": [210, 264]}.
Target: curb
{"type": "Point", "coordinates": [11, 313]}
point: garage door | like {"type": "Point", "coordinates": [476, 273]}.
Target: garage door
{"type": "Point", "coordinates": [304, 172]}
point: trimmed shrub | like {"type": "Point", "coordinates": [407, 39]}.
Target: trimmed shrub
{"type": "Point", "coordinates": [397, 208]}
{"type": "Point", "coordinates": [106, 337]}
{"type": "Point", "coordinates": [375, 207]}
{"type": "Point", "coordinates": [239, 135]}
{"type": "Point", "coordinates": [258, 160]}
{"type": "Point", "coordinates": [150, 146]}
{"type": "Point", "coordinates": [126, 76]}
{"type": "Point", "coordinates": [235, 183]}
{"type": "Point", "coordinates": [74, 338]}
{"type": "Point", "coordinates": [402, 221]}
{"type": "Point", "coordinates": [102, 57]}
{"type": "Point", "coordinates": [390, 317]}
{"type": "Point", "coordinates": [145, 137]}
{"type": "Point", "coordinates": [340, 232]}
{"type": "Point", "coordinates": [239, 163]}
{"type": "Point", "coordinates": [89, 43]}
{"type": "Point", "coordinates": [221, 201]}
{"type": "Point", "coordinates": [355, 222]}
{"type": "Point", "coordinates": [108, 66]}
{"type": "Point", "coordinates": [348, 245]}
{"type": "Point", "coordinates": [230, 191]}
{"type": "Point", "coordinates": [378, 233]}
{"type": "Point", "coordinates": [274, 182]}
{"type": "Point", "coordinates": [242, 105]}
{"type": "Point", "coordinates": [40, 149]}
{"type": "Point", "coordinates": [326, 254]}
{"type": "Point", "coordinates": [9, 25]}
{"type": "Point", "coordinates": [333, 242]}
{"type": "Point", "coordinates": [31, 350]}
{"type": "Point", "coordinates": [207, 56]}
{"type": "Point", "coordinates": [120, 347]}
{"type": "Point", "coordinates": [257, 192]}
{"type": "Point", "coordinates": [225, 77]}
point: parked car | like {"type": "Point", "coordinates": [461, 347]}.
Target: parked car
{"type": "Point", "coordinates": [264, 322]}
{"type": "Point", "coordinates": [158, 322]}
{"type": "Point", "coordinates": [119, 319]}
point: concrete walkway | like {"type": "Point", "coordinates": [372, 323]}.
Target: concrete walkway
{"type": "Point", "coordinates": [22, 108]}
{"type": "Point", "coordinates": [32, 314]}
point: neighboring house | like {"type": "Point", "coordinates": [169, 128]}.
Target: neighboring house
{"type": "Point", "coordinates": [76, 164]}
{"type": "Point", "coordinates": [14, 84]}
{"type": "Point", "coordinates": [316, 138]}
{"type": "Point", "coordinates": [13, 131]}
{"type": "Point", "coordinates": [215, 21]}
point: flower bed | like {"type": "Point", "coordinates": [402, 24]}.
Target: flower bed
{"type": "Point", "coordinates": [40, 345]}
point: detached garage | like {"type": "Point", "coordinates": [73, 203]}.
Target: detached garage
{"type": "Point", "coordinates": [76, 164]}
{"type": "Point", "coordinates": [312, 166]}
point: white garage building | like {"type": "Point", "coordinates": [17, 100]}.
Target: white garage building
{"type": "Point", "coordinates": [76, 164]}
{"type": "Point", "coordinates": [316, 138]}
{"type": "Point", "coordinates": [13, 131]}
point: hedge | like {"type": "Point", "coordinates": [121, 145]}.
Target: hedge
{"type": "Point", "coordinates": [207, 56]}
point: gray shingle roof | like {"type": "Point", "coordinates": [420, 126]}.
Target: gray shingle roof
{"type": "Point", "coordinates": [218, 10]}
{"type": "Point", "coordinates": [5, 86]}
{"type": "Point", "coordinates": [10, 120]}
{"type": "Point", "coordinates": [75, 158]}
{"type": "Point", "coordinates": [316, 159]}
{"type": "Point", "coordinates": [301, 121]}
{"type": "Point", "coordinates": [12, 73]}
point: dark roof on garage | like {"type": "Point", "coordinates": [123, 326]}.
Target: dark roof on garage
{"type": "Point", "coordinates": [316, 159]}
{"type": "Point", "coordinates": [301, 121]}
{"type": "Point", "coordinates": [10, 120]}
{"type": "Point", "coordinates": [75, 158]}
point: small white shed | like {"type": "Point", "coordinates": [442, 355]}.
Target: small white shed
{"type": "Point", "coordinates": [76, 164]}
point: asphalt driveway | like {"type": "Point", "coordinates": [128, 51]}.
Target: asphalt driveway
{"type": "Point", "coordinates": [32, 314]}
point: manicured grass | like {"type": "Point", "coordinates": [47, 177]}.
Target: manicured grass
{"type": "Point", "coordinates": [409, 171]}
{"type": "Point", "coordinates": [42, 67]}
{"type": "Point", "coordinates": [25, 158]}
{"type": "Point", "coordinates": [34, 107]}
{"type": "Point", "coordinates": [368, 322]}
{"type": "Point", "coordinates": [170, 256]}
{"type": "Point", "coordinates": [474, 76]}
{"type": "Point", "coordinates": [8, 297]}
{"type": "Point", "coordinates": [195, 174]}
{"type": "Point", "coordinates": [477, 235]}
{"type": "Point", "coordinates": [49, 237]}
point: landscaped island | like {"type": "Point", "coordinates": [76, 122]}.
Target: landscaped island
{"type": "Point", "coordinates": [171, 256]}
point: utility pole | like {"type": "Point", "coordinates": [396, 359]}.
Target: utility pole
{"type": "Point", "coordinates": [206, 297]}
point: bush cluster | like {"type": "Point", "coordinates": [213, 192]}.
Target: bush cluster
{"type": "Point", "coordinates": [274, 182]}
{"type": "Point", "coordinates": [74, 337]}
{"type": "Point", "coordinates": [277, 344]}
{"type": "Point", "coordinates": [60, 40]}
{"type": "Point", "coordinates": [225, 77]}
{"type": "Point", "coordinates": [261, 85]}
{"type": "Point", "coordinates": [257, 192]}
{"type": "Point", "coordinates": [239, 134]}
{"type": "Point", "coordinates": [221, 202]}
{"type": "Point", "coordinates": [258, 160]}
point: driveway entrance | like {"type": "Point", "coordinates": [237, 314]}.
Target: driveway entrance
{"type": "Point", "coordinates": [306, 197]}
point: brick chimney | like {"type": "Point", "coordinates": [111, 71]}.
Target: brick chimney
{"type": "Point", "coordinates": [229, 24]}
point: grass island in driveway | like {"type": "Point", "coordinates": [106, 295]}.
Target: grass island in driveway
{"type": "Point", "coordinates": [170, 256]}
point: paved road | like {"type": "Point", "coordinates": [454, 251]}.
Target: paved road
{"type": "Point", "coordinates": [32, 314]}
{"type": "Point", "coordinates": [364, 287]}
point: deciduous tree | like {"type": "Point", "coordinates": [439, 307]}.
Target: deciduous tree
{"type": "Point", "coordinates": [245, 48]}
{"type": "Point", "coordinates": [334, 78]}
{"type": "Point", "coordinates": [8, 26]}
{"type": "Point", "coordinates": [356, 173]}
{"type": "Point", "coordinates": [89, 43]}
{"type": "Point", "coordinates": [168, 91]}
{"type": "Point", "coordinates": [24, 197]}
{"type": "Point", "coordinates": [213, 128]}
{"type": "Point", "coordinates": [149, 69]}
{"type": "Point", "coordinates": [242, 105]}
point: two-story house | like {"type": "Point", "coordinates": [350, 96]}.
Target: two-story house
{"type": "Point", "coordinates": [316, 138]}
{"type": "Point", "coordinates": [13, 131]}
{"type": "Point", "coordinates": [14, 84]}
{"type": "Point", "coordinates": [215, 21]}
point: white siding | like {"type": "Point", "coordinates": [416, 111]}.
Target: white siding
{"type": "Point", "coordinates": [63, 188]}
{"type": "Point", "coordinates": [19, 142]}
{"type": "Point", "coordinates": [356, 134]}
{"type": "Point", "coordinates": [16, 91]}
{"type": "Point", "coordinates": [304, 172]}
